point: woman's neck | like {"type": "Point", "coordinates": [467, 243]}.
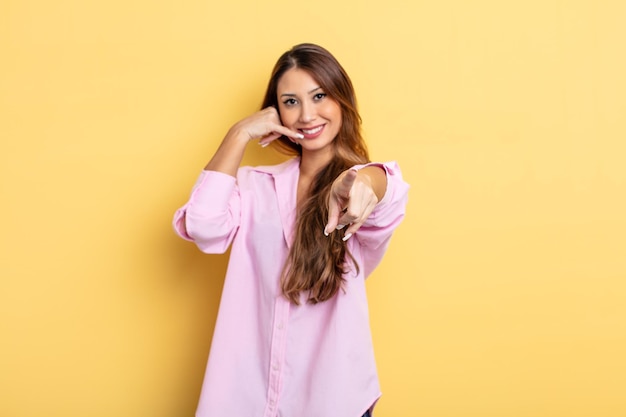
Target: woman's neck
{"type": "Point", "coordinates": [312, 162]}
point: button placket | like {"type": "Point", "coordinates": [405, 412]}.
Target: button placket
{"type": "Point", "coordinates": [277, 356]}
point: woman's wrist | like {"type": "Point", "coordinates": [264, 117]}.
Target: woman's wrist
{"type": "Point", "coordinates": [376, 178]}
{"type": "Point", "coordinates": [230, 152]}
{"type": "Point", "coordinates": [238, 134]}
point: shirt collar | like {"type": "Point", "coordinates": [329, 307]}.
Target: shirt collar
{"type": "Point", "coordinates": [276, 170]}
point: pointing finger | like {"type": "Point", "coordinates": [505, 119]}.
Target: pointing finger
{"type": "Point", "coordinates": [346, 183]}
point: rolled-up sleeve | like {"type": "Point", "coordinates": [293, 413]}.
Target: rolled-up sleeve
{"type": "Point", "coordinates": [375, 233]}
{"type": "Point", "coordinates": [212, 214]}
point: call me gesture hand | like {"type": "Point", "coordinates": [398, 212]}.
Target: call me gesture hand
{"type": "Point", "coordinates": [353, 196]}
{"type": "Point", "coordinates": [264, 125]}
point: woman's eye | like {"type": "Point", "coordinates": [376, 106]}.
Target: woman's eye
{"type": "Point", "coordinates": [289, 102]}
{"type": "Point", "coordinates": [319, 96]}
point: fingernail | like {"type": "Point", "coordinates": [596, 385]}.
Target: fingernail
{"type": "Point", "coordinates": [325, 232]}
{"type": "Point", "coordinates": [347, 236]}
{"type": "Point", "coordinates": [300, 136]}
{"type": "Point", "coordinates": [340, 226]}
{"type": "Point", "coordinates": [263, 145]}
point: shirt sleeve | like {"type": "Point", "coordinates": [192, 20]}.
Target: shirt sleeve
{"type": "Point", "coordinates": [374, 235]}
{"type": "Point", "coordinates": [212, 214]}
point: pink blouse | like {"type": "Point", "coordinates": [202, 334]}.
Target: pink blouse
{"type": "Point", "coordinates": [269, 357]}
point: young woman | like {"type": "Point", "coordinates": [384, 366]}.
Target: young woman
{"type": "Point", "coordinates": [292, 337]}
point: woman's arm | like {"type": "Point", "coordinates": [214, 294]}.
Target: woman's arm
{"type": "Point", "coordinates": [264, 125]}
{"type": "Point", "coordinates": [374, 233]}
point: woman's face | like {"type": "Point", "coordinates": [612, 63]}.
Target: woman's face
{"type": "Point", "coordinates": [304, 106]}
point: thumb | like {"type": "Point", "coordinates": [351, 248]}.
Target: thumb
{"type": "Point", "coordinates": [333, 215]}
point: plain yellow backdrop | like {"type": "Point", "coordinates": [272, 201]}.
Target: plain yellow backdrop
{"type": "Point", "coordinates": [504, 291]}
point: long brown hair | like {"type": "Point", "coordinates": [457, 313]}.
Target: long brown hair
{"type": "Point", "coordinates": [316, 263]}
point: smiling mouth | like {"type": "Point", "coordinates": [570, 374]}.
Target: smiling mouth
{"type": "Point", "coordinates": [312, 132]}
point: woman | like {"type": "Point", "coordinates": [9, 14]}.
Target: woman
{"type": "Point", "coordinates": [292, 337]}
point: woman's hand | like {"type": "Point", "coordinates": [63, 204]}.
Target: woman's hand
{"type": "Point", "coordinates": [353, 197]}
{"type": "Point", "coordinates": [264, 125]}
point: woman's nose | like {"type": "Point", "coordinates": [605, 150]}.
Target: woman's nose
{"type": "Point", "coordinates": [307, 113]}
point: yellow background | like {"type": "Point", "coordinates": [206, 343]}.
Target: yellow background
{"type": "Point", "coordinates": [503, 293]}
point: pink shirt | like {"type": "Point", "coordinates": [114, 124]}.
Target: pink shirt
{"type": "Point", "coordinates": [271, 358]}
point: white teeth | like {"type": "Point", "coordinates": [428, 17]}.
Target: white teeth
{"type": "Point", "coordinates": [312, 131]}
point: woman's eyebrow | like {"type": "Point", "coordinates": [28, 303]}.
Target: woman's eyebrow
{"type": "Point", "coordinates": [294, 95]}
